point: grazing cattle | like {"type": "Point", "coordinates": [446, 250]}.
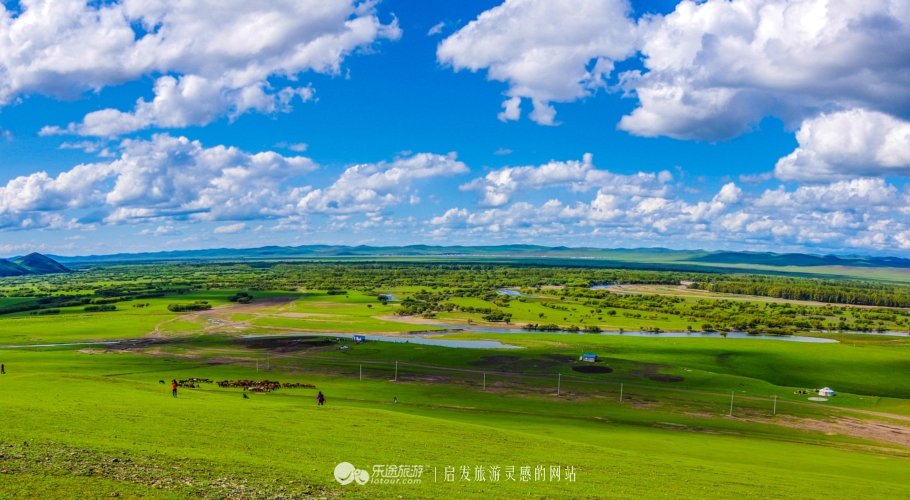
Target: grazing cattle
{"type": "Point", "coordinates": [291, 385]}
{"type": "Point", "coordinates": [262, 385]}
{"type": "Point", "coordinates": [161, 381]}
{"type": "Point", "coordinates": [246, 397]}
{"type": "Point", "coordinates": [193, 383]}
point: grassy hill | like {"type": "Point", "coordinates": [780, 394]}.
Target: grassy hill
{"type": "Point", "coordinates": [33, 263]}
{"type": "Point", "coordinates": [649, 255]}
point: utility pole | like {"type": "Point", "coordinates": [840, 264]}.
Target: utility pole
{"type": "Point", "coordinates": [396, 371]}
{"type": "Point", "coordinates": [484, 381]}
{"type": "Point", "coordinates": [558, 384]}
{"type": "Point", "coordinates": [361, 373]}
{"type": "Point", "coordinates": [620, 393]}
{"type": "Point", "coordinates": [731, 402]}
{"type": "Point", "coordinates": [775, 405]}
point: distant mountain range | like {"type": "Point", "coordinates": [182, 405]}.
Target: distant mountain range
{"type": "Point", "coordinates": [652, 256]}
{"type": "Point", "coordinates": [799, 259]}
{"type": "Point", "coordinates": [33, 263]}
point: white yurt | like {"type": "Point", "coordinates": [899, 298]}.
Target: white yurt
{"type": "Point", "coordinates": [827, 391]}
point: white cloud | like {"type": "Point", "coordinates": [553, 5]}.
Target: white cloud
{"type": "Point", "coordinates": [215, 57]}
{"type": "Point", "coordinates": [40, 192]}
{"type": "Point", "coordinates": [511, 110]}
{"type": "Point", "coordinates": [191, 100]}
{"type": "Point", "coordinates": [713, 69]}
{"type": "Point", "coordinates": [160, 231]}
{"type": "Point", "coordinates": [863, 214]}
{"type": "Point", "coordinates": [547, 51]}
{"type": "Point", "coordinates": [848, 143]}
{"type": "Point", "coordinates": [374, 186]}
{"type": "Point", "coordinates": [502, 151]}
{"type": "Point", "coordinates": [436, 29]}
{"type": "Point", "coordinates": [169, 177]}
{"type": "Point", "coordinates": [499, 186]}
{"type": "Point", "coordinates": [230, 228]}
{"type": "Point", "coordinates": [716, 68]}
{"type": "Point", "coordinates": [299, 147]}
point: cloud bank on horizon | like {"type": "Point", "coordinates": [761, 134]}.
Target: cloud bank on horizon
{"type": "Point", "coordinates": [173, 87]}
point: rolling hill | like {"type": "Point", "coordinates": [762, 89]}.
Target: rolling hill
{"type": "Point", "coordinates": [31, 264]}
{"type": "Point", "coordinates": [581, 255]}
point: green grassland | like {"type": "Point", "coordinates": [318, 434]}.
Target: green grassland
{"type": "Point", "coordinates": [85, 421]}
{"type": "Point", "coordinates": [112, 404]}
{"type": "Point", "coordinates": [73, 324]}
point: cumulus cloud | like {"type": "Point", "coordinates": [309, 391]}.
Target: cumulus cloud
{"type": "Point", "coordinates": [215, 58]}
{"type": "Point", "coordinates": [712, 69]}
{"type": "Point", "coordinates": [546, 51]}
{"type": "Point", "coordinates": [374, 186]}
{"type": "Point", "coordinates": [865, 213]}
{"type": "Point", "coordinates": [499, 186]}
{"type": "Point", "coordinates": [159, 231]}
{"type": "Point", "coordinates": [168, 179]}
{"type": "Point", "coordinates": [230, 228]}
{"type": "Point", "coordinates": [191, 100]}
{"type": "Point", "coordinates": [166, 176]}
{"type": "Point", "coordinates": [716, 68]}
{"type": "Point", "coordinates": [170, 176]}
{"type": "Point", "coordinates": [846, 144]}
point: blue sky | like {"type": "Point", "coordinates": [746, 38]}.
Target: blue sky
{"type": "Point", "coordinates": [772, 125]}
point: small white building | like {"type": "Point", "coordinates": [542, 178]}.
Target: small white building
{"type": "Point", "coordinates": [827, 391]}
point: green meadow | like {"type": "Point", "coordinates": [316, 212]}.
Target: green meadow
{"type": "Point", "coordinates": [112, 404]}
{"type": "Point", "coordinates": [690, 416]}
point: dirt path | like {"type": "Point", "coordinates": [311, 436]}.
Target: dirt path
{"type": "Point", "coordinates": [222, 314]}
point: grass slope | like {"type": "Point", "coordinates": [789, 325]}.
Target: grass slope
{"type": "Point", "coordinates": [112, 406]}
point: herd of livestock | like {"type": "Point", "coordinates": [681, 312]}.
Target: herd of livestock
{"type": "Point", "coordinates": [247, 385]}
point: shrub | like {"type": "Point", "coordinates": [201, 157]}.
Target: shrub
{"type": "Point", "coordinates": [101, 308]}
{"type": "Point", "coordinates": [188, 307]}
{"type": "Point", "coordinates": [45, 311]}
{"type": "Point", "coordinates": [496, 316]}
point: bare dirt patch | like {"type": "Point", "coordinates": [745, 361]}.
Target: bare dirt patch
{"type": "Point", "coordinates": [872, 430]}
{"type": "Point", "coordinates": [98, 351]}
{"type": "Point", "coordinates": [644, 370]}
{"type": "Point", "coordinates": [660, 377]}
{"type": "Point", "coordinates": [496, 361]}
{"type": "Point", "coordinates": [562, 358]}
{"type": "Point", "coordinates": [641, 402]}
{"type": "Point", "coordinates": [284, 344]}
